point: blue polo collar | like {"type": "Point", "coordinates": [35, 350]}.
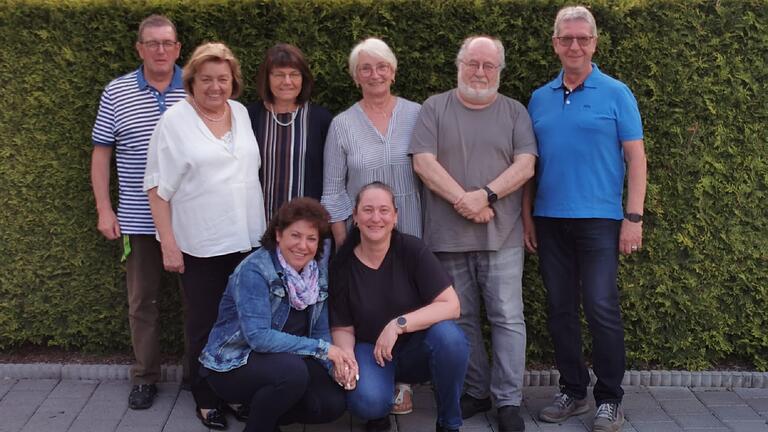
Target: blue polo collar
{"type": "Point", "coordinates": [176, 81]}
{"type": "Point", "coordinates": [591, 81]}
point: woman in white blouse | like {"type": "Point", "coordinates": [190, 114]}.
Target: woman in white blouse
{"type": "Point", "coordinates": [202, 178]}
{"type": "Point", "coordinates": [369, 142]}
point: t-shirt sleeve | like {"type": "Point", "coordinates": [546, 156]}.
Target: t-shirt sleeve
{"type": "Point", "coordinates": [628, 121]}
{"type": "Point", "coordinates": [166, 166]}
{"type": "Point", "coordinates": [424, 139]}
{"type": "Point", "coordinates": [104, 127]}
{"type": "Point", "coordinates": [524, 138]}
{"type": "Point", "coordinates": [339, 310]}
{"type": "Point", "coordinates": [429, 276]}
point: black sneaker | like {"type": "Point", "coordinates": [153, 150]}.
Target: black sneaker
{"type": "Point", "coordinates": [240, 411]}
{"type": "Point", "coordinates": [471, 405]}
{"type": "Point", "coordinates": [142, 396]}
{"type": "Point", "coordinates": [378, 425]}
{"type": "Point", "coordinates": [510, 420]}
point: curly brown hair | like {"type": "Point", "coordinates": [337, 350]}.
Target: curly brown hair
{"type": "Point", "coordinates": [298, 209]}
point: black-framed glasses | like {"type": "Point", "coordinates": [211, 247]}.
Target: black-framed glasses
{"type": "Point", "coordinates": [567, 41]}
{"type": "Point", "coordinates": [487, 67]}
{"type": "Point", "coordinates": [155, 45]}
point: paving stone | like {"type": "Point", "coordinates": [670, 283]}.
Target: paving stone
{"type": "Point", "coordinates": [5, 386]}
{"type": "Point", "coordinates": [715, 398]}
{"type": "Point", "coordinates": [735, 412]}
{"type": "Point", "coordinates": [671, 393]}
{"type": "Point", "coordinates": [18, 406]}
{"type": "Point", "coordinates": [182, 417]}
{"type": "Point", "coordinates": [422, 418]}
{"type": "Point", "coordinates": [74, 389]}
{"type": "Point", "coordinates": [750, 393]}
{"type": "Point", "coordinates": [89, 424]}
{"type": "Point", "coordinates": [45, 385]}
{"type": "Point", "coordinates": [758, 404]}
{"type": "Point", "coordinates": [683, 406]}
{"type": "Point", "coordinates": [640, 403]}
{"type": "Point", "coordinates": [703, 420]}
{"type": "Point", "coordinates": [747, 426]}
{"type": "Point", "coordinates": [667, 426]}
{"type": "Point", "coordinates": [54, 414]}
{"type": "Point", "coordinates": [647, 415]}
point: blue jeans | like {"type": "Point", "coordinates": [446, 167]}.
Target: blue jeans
{"type": "Point", "coordinates": [493, 279]}
{"type": "Point", "coordinates": [579, 260]}
{"type": "Point", "coordinates": [438, 354]}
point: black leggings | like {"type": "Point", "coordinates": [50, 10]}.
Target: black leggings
{"type": "Point", "coordinates": [281, 389]}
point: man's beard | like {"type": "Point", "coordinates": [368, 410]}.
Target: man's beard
{"type": "Point", "coordinates": [477, 96]}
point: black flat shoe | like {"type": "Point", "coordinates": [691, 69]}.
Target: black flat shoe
{"type": "Point", "coordinates": [240, 411]}
{"type": "Point", "coordinates": [215, 419]}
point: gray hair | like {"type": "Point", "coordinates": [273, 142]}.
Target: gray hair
{"type": "Point", "coordinates": [572, 13]}
{"type": "Point", "coordinates": [375, 47]}
{"type": "Point", "coordinates": [468, 41]}
{"type": "Point", "coordinates": [155, 21]}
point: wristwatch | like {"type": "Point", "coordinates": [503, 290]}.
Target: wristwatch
{"type": "Point", "coordinates": [492, 197]}
{"type": "Point", "coordinates": [633, 217]}
{"type": "Point", "coordinates": [401, 322]}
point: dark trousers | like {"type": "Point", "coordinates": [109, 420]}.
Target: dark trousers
{"type": "Point", "coordinates": [203, 282]}
{"type": "Point", "coordinates": [144, 271]}
{"type": "Point", "coordinates": [578, 260]}
{"type": "Point", "coordinates": [281, 388]}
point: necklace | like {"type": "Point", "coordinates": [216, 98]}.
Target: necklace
{"type": "Point", "coordinates": [202, 113]}
{"type": "Point", "coordinates": [274, 117]}
{"type": "Point", "coordinates": [386, 112]}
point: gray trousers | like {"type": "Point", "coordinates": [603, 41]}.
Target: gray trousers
{"type": "Point", "coordinates": [495, 278]}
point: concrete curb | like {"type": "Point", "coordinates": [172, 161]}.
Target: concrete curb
{"type": "Point", "coordinates": [532, 378]}
{"type": "Point", "coordinates": [80, 371]}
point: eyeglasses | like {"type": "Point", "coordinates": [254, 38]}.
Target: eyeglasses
{"type": "Point", "coordinates": [487, 67]}
{"type": "Point", "coordinates": [367, 70]}
{"type": "Point", "coordinates": [567, 41]}
{"type": "Point", "coordinates": [293, 76]}
{"type": "Point", "coordinates": [155, 45]}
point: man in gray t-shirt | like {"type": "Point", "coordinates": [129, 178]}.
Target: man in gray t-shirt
{"type": "Point", "coordinates": [474, 149]}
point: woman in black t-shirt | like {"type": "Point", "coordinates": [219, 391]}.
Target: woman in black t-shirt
{"type": "Point", "coordinates": [393, 306]}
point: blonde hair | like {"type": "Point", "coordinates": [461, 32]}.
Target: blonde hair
{"type": "Point", "coordinates": [215, 52]}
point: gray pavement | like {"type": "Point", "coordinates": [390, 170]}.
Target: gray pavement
{"type": "Point", "coordinates": [43, 405]}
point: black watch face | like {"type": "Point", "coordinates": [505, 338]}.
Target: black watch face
{"type": "Point", "coordinates": [401, 321]}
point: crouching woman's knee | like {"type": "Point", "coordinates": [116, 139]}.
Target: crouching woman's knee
{"type": "Point", "coordinates": [370, 401]}
{"type": "Point", "coordinates": [448, 344]}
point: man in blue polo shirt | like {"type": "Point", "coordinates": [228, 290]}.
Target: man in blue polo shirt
{"type": "Point", "coordinates": [130, 107]}
{"type": "Point", "coordinates": [589, 132]}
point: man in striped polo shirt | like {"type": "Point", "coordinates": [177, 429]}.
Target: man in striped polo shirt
{"type": "Point", "coordinates": [130, 107]}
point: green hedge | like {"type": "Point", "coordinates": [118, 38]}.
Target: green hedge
{"type": "Point", "coordinates": [698, 294]}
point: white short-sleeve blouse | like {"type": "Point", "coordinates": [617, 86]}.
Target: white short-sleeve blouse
{"type": "Point", "coordinates": [212, 184]}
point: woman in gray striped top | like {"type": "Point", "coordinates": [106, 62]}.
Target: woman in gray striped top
{"type": "Point", "coordinates": [369, 142]}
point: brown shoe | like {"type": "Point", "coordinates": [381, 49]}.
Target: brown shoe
{"type": "Point", "coordinates": [403, 399]}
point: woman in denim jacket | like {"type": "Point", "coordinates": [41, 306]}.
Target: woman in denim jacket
{"type": "Point", "coordinates": [270, 348]}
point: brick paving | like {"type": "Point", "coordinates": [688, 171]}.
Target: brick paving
{"type": "Point", "coordinates": [65, 405]}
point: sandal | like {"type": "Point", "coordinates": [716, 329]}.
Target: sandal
{"type": "Point", "coordinates": [403, 399]}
